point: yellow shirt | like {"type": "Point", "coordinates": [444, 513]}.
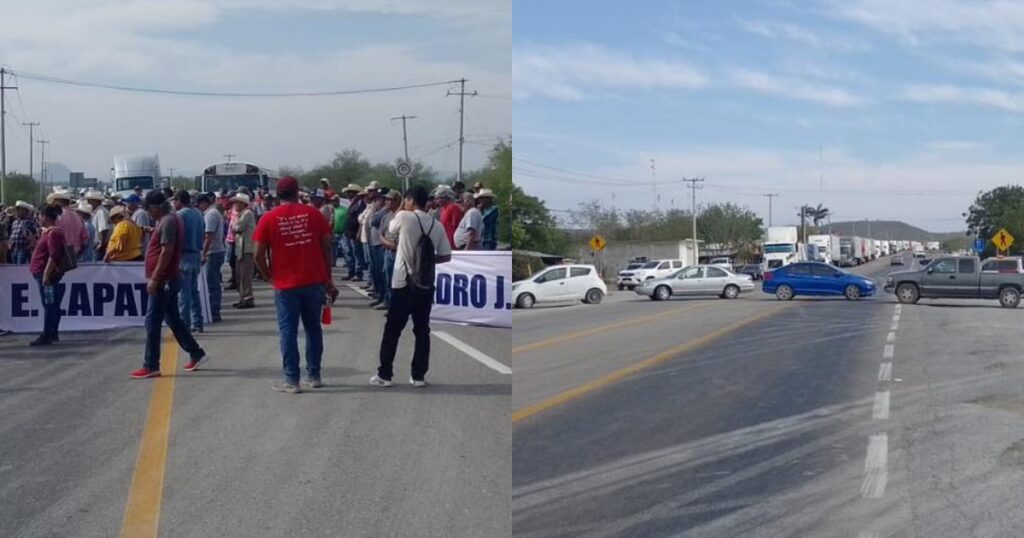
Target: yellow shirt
{"type": "Point", "coordinates": [126, 242]}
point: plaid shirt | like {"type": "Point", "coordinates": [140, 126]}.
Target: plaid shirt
{"type": "Point", "coordinates": [20, 233]}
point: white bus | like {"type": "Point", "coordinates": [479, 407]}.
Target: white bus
{"type": "Point", "coordinates": [136, 170]}
{"type": "Point", "coordinates": [232, 176]}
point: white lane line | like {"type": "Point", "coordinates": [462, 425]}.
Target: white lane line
{"type": "Point", "coordinates": [867, 535]}
{"type": "Point", "coordinates": [891, 336]}
{"type": "Point", "coordinates": [898, 307]}
{"type": "Point", "coordinates": [895, 318]}
{"type": "Point", "coordinates": [885, 371]}
{"type": "Point", "coordinates": [359, 290]}
{"type": "Point", "coordinates": [894, 326]}
{"type": "Point", "coordinates": [880, 409]}
{"type": "Point", "coordinates": [888, 351]}
{"type": "Point", "coordinates": [876, 471]}
{"type": "Point", "coordinates": [473, 352]}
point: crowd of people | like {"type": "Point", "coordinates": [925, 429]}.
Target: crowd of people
{"type": "Point", "coordinates": [292, 238]}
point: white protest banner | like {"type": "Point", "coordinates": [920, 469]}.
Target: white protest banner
{"type": "Point", "coordinates": [475, 288]}
{"type": "Point", "coordinates": [96, 296]}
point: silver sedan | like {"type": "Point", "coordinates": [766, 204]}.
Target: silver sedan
{"type": "Point", "coordinates": [697, 280]}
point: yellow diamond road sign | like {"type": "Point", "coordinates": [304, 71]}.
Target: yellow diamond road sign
{"type": "Point", "coordinates": [1002, 240]}
{"type": "Point", "coordinates": [597, 243]}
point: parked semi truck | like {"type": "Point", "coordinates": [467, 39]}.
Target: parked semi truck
{"type": "Point", "coordinates": [781, 246]}
{"type": "Point", "coordinates": [136, 170]}
{"type": "Point", "coordinates": [826, 248]}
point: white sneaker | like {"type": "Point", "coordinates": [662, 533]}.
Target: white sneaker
{"type": "Point", "coordinates": [417, 382]}
{"type": "Point", "coordinates": [378, 382]}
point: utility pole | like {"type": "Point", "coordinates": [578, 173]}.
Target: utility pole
{"type": "Point", "coordinates": [693, 185]}
{"type": "Point", "coordinates": [3, 135]}
{"type": "Point", "coordinates": [770, 195]}
{"type": "Point", "coordinates": [31, 144]}
{"type": "Point", "coordinates": [42, 165]}
{"type": "Point", "coordinates": [405, 143]}
{"type": "Point", "coordinates": [229, 156]}
{"type": "Point", "coordinates": [462, 119]}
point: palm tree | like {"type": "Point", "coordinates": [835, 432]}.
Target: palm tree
{"type": "Point", "coordinates": [819, 214]}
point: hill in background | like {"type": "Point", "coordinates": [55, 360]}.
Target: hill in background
{"type": "Point", "coordinates": [890, 229]}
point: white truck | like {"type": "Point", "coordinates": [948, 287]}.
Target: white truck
{"type": "Point", "coordinates": [932, 245]}
{"type": "Point", "coordinates": [876, 249]}
{"type": "Point", "coordinates": [136, 170]}
{"type": "Point", "coordinates": [826, 248]}
{"type": "Point", "coordinates": [781, 247]}
{"type": "Point", "coordinates": [917, 247]}
{"type": "Point", "coordinates": [886, 248]}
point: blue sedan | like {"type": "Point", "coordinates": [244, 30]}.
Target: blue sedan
{"type": "Point", "coordinates": [814, 278]}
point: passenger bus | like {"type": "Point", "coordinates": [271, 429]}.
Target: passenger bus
{"type": "Point", "coordinates": [232, 176]}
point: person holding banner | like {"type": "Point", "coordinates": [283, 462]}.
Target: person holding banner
{"type": "Point", "coordinates": [48, 252]}
{"type": "Point", "coordinates": [163, 270]}
{"type": "Point", "coordinates": [412, 286]}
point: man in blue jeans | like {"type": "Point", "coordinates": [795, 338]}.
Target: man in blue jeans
{"type": "Point", "coordinates": [191, 252]}
{"type": "Point", "coordinates": [293, 252]}
{"type": "Point", "coordinates": [213, 252]}
{"type": "Point", "coordinates": [163, 272]}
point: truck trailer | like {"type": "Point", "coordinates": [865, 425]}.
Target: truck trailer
{"type": "Point", "coordinates": [781, 247]}
{"type": "Point", "coordinates": [826, 248]}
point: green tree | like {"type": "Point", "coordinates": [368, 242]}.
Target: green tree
{"type": "Point", "coordinates": [1001, 207]}
{"type": "Point", "coordinates": [22, 187]}
{"type": "Point", "coordinates": [729, 225]}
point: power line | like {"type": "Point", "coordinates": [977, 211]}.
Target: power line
{"type": "Point", "coordinates": [70, 82]}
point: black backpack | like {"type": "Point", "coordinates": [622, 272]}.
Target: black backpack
{"type": "Point", "coordinates": [421, 268]}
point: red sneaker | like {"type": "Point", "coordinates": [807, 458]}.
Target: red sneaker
{"type": "Point", "coordinates": [143, 373]}
{"type": "Point", "coordinates": [193, 364]}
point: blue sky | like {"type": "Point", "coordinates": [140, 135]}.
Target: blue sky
{"type": "Point", "coordinates": [255, 46]}
{"type": "Point", "coordinates": [881, 110]}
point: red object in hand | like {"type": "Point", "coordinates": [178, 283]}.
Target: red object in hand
{"type": "Point", "coordinates": [325, 317]}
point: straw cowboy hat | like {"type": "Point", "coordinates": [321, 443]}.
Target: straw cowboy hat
{"type": "Point", "coordinates": [94, 195]}
{"type": "Point", "coordinates": [374, 185]}
{"type": "Point", "coordinates": [244, 198]}
{"type": "Point", "coordinates": [22, 204]}
{"type": "Point", "coordinates": [85, 209]}
{"type": "Point", "coordinates": [485, 193]}
{"type": "Point", "coordinates": [118, 210]}
{"type": "Point", "coordinates": [352, 187]}
{"type": "Point", "coordinates": [57, 196]}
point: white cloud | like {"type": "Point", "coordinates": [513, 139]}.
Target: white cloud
{"type": "Point", "coordinates": [798, 34]}
{"type": "Point", "coordinates": [950, 94]}
{"type": "Point", "coordinates": [579, 71]}
{"type": "Point", "coordinates": [990, 23]}
{"type": "Point", "coordinates": [794, 88]}
{"type": "Point", "coordinates": [147, 43]}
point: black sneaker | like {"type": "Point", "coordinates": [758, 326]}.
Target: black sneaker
{"type": "Point", "coordinates": [41, 341]}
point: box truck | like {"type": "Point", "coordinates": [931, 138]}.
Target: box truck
{"type": "Point", "coordinates": [781, 247]}
{"type": "Point", "coordinates": [826, 248]}
{"type": "Point", "coordinates": [136, 170]}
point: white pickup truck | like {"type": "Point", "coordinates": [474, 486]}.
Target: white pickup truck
{"type": "Point", "coordinates": [647, 271]}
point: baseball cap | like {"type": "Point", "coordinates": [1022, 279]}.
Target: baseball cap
{"type": "Point", "coordinates": [287, 186]}
{"type": "Point", "coordinates": [155, 197]}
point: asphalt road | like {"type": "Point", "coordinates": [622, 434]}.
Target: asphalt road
{"type": "Point", "coordinates": [825, 418]}
{"type": "Point", "coordinates": [243, 460]}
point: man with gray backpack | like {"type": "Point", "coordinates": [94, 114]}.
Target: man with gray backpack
{"type": "Point", "coordinates": [422, 244]}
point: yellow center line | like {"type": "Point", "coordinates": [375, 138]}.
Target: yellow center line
{"type": "Point", "coordinates": [142, 513]}
{"type": "Point", "coordinates": [587, 332]}
{"type": "Point", "coordinates": [645, 364]}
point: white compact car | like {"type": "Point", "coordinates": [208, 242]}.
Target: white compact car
{"type": "Point", "coordinates": [560, 283]}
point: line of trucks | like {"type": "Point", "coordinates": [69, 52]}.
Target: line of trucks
{"type": "Point", "coordinates": [782, 246]}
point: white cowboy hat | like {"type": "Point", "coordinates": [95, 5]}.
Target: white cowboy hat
{"type": "Point", "coordinates": [83, 208]}
{"type": "Point", "coordinates": [485, 193]}
{"type": "Point", "coordinates": [24, 205]}
{"type": "Point", "coordinates": [57, 196]}
{"type": "Point", "coordinates": [94, 195]}
{"type": "Point", "coordinates": [244, 198]}
{"type": "Point", "coordinates": [352, 187]}
{"type": "Point", "coordinates": [118, 210]}
{"type": "Point", "coordinates": [374, 185]}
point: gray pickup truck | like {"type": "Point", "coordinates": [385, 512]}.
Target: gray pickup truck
{"type": "Point", "coordinates": [961, 277]}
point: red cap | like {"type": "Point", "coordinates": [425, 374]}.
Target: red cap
{"type": "Point", "coordinates": [287, 186]}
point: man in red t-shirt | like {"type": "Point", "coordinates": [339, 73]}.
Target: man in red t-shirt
{"type": "Point", "coordinates": [293, 251]}
{"type": "Point", "coordinates": [163, 272]}
{"type": "Point", "coordinates": [451, 212]}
